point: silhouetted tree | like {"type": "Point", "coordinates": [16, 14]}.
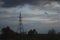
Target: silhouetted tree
{"type": "Point", "coordinates": [51, 32]}
{"type": "Point", "coordinates": [32, 31]}
{"type": "Point", "coordinates": [7, 33]}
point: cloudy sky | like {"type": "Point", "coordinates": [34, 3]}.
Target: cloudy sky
{"type": "Point", "coordinates": [41, 15]}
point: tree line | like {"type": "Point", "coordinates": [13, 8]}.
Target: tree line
{"type": "Point", "coordinates": [8, 34]}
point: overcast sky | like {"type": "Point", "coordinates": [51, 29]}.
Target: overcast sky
{"type": "Point", "coordinates": [41, 15]}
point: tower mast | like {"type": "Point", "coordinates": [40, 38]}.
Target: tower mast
{"type": "Point", "coordinates": [20, 23]}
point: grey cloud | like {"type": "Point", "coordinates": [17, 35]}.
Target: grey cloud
{"type": "Point", "coordinates": [9, 3]}
{"type": "Point", "coordinates": [12, 3]}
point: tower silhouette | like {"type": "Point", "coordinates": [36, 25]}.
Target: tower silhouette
{"type": "Point", "coordinates": [20, 24]}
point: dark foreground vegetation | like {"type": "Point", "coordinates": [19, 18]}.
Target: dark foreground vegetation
{"type": "Point", "coordinates": [8, 34]}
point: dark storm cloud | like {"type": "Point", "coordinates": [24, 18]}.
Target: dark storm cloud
{"type": "Point", "coordinates": [12, 3]}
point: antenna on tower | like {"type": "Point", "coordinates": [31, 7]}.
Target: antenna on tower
{"type": "Point", "coordinates": [20, 23]}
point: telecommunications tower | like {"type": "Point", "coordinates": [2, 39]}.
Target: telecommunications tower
{"type": "Point", "coordinates": [20, 24]}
